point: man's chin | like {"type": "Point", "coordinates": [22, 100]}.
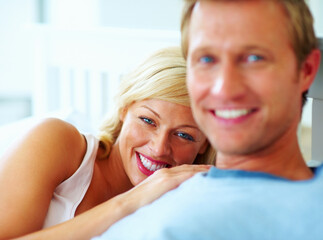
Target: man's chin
{"type": "Point", "coordinates": [237, 150]}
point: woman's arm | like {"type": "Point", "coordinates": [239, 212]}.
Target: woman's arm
{"type": "Point", "coordinates": [31, 170]}
{"type": "Point", "coordinates": [98, 219]}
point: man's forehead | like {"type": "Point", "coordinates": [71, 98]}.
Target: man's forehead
{"type": "Point", "coordinates": [225, 19]}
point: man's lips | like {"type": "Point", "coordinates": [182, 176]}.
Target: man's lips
{"type": "Point", "coordinates": [232, 114]}
{"type": "Point", "coordinates": [148, 166]}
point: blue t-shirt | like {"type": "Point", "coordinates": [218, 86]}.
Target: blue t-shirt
{"type": "Point", "coordinates": [230, 204]}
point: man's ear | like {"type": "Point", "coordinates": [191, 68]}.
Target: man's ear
{"type": "Point", "coordinates": [204, 147]}
{"type": "Point", "coordinates": [309, 69]}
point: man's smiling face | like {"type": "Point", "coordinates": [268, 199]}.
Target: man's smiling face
{"type": "Point", "coordinates": [243, 76]}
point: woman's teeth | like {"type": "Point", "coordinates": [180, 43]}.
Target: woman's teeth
{"type": "Point", "coordinates": [232, 113]}
{"type": "Point", "coordinates": [151, 166]}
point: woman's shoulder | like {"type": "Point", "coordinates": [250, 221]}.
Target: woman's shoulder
{"type": "Point", "coordinates": [54, 124]}
{"type": "Point", "coordinates": [45, 155]}
{"type": "Point", "coordinates": [58, 140]}
{"type": "Point", "coordinates": [54, 129]}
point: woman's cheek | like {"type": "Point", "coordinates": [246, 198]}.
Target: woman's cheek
{"type": "Point", "coordinates": [186, 154]}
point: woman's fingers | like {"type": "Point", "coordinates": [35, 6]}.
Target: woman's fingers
{"type": "Point", "coordinates": [185, 169]}
{"type": "Point", "coordinates": [173, 177]}
{"type": "Point", "coordinates": [179, 173]}
{"type": "Point", "coordinates": [161, 182]}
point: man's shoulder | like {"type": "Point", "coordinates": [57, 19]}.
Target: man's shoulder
{"type": "Point", "coordinates": [215, 206]}
{"type": "Point", "coordinates": [317, 168]}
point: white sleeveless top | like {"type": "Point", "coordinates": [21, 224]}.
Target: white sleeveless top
{"type": "Point", "coordinates": [70, 193]}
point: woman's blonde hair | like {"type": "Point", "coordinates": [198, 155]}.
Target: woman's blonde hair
{"type": "Point", "coordinates": [162, 76]}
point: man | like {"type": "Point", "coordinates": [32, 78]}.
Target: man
{"type": "Point", "coordinates": [250, 64]}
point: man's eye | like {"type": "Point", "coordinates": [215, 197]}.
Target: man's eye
{"type": "Point", "coordinates": [254, 58]}
{"type": "Point", "coordinates": [206, 59]}
{"type": "Point", "coordinates": [185, 136]}
{"type": "Point", "coordinates": [147, 120]}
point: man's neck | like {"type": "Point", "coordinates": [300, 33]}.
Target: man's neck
{"type": "Point", "coordinates": [284, 161]}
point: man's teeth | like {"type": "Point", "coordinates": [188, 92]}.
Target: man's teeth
{"type": "Point", "coordinates": [232, 113]}
{"type": "Point", "coordinates": [151, 166]}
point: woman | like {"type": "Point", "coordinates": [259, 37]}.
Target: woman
{"type": "Point", "coordinates": [55, 174]}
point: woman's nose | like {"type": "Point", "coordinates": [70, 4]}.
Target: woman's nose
{"type": "Point", "coordinates": [160, 144]}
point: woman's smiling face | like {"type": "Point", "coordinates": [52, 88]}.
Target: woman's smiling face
{"type": "Point", "coordinates": [157, 134]}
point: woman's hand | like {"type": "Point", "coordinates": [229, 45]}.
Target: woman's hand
{"type": "Point", "coordinates": [158, 184]}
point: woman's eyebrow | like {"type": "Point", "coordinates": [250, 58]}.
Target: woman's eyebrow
{"type": "Point", "coordinates": [189, 126]}
{"type": "Point", "coordinates": [157, 115]}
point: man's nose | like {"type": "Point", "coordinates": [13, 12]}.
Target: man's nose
{"type": "Point", "coordinates": [160, 144]}
{"type": "Point", "coordinates": [228, 82]}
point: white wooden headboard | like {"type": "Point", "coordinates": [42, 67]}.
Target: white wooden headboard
{"type": "Point", "coordinates": [79, 70]}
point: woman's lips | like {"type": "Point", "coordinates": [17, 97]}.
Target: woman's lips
{"type": "Point", "coordinates": [148, 166]}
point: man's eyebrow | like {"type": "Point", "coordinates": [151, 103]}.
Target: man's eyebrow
{"type": "Point", "coordinates": [254, 47]}
{"type": "Point", "coordinates": [209, 48]}
{"type": "Point", "coordinates": [201, 49]}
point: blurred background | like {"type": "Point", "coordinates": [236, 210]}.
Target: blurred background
{"type": "Point", "coordinates": [51, 51]}
{"type": "Point", "coordinates": [25, 23]}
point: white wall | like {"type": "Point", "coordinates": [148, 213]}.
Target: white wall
{"type": "Point", "coordinates": [72, 13]}
{"type": "Point", "coordinates": [148, 14]}
{"type": "Point", "coordinates": [317, 10]}
{"type": "Point", "coordinates": [15, 59]}
{"type": "Point", "coordinates": [142, 14]}
{"type": "Point", "coordinates": [15, 56]}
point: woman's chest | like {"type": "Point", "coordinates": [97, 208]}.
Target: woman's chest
{"type": "Point", "coordinates": [96, 193]}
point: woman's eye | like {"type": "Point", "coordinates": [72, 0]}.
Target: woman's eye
{"type": "Point", "coordinates": [206, 59]}
{"type": "Point", "coordinates": [254, 58]}
{"type": "Point", "coordinates": [147, 120]}
{"type": "Point", "coordinates": [185, 136]}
